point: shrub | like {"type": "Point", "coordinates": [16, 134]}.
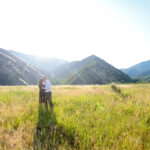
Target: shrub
{"type": "Point", "coordinates": [115, 89]}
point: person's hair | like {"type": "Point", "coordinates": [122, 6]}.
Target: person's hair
{"type": "Point", "coordinates": [41, 81]}
{"type": "Point", "coordinates": [44, 77]}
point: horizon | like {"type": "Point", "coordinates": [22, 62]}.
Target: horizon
{"type": "Point", "coordinates": [42, 57]}
{"type": "Point", "coordinates": [117, 32]}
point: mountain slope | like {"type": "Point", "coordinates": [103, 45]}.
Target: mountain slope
{"type": "Point", "coordinates": [91, 70]}
{"type": "Point", "coordinates": [72, 68]}
{"type": "Point", "coordinates": [145, 79]}
{"type": "Point", "coordinates": [14, 71]}
{"type": "Point", "coordinates": [145, 73]}
{"type": "Point", "coordinates": [138, 69]}
{"type": "Point", "coordinates": [46, 64]}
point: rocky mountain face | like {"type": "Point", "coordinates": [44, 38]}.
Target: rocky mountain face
{"type": "Point", "coordinates": [14, 71]}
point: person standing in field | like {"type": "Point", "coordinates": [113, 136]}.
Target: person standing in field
{"type": "Point", "coordinates": [41, 91]}
{"type": "Point", "coordinates": [48, 93]}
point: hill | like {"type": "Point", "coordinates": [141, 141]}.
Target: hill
{"type": "Point", "coordinates": [145, 79]}
{"type": "Point", "coordinates": [46, 64]}
{"type": "Point", "coordinates": [14, 71]}
{"type": "Point", "coordinates": [145, 73]}
{"type": "Point", "coordinates": [91, 70]}
{"type": "Point", "coordinates": [138, 70]}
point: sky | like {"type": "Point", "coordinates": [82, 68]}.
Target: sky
{"type": "Point", "coordinates": [117, 31]}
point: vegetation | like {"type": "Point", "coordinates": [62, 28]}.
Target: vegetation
{"type": "Point", "coordinates": [91, 70]}
{"type": "Point", "coordinates": [145, 79]}
{"type": "Point", "coordinates": [20, 69]}
{"type": "Point", "coordinates": [83, 117]}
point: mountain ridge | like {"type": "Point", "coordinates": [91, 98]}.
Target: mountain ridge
{"type": "Point", "coordinates": [138, 69]}
{"type": "Point", "coordinates": [43, 63]}
{"type": "Point", "coordinates": [91, 70]}
{"type": "Point", "coordinates": [14, 71]}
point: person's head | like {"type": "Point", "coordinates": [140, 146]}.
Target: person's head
{"type": "Point", "coordinates": [45, 78]}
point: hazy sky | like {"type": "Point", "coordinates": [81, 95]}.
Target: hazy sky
{"type": "Point", "coordinates": [117, 31]}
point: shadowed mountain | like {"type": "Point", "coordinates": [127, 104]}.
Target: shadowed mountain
{"type": "Point", "coordinates": [138, 70]}
{"type": "Point", "coordinates": [91, 70]}
{"type": "Point", "coordinates": [46, 64]}
{"type": "Point", "coordinates": [144, 77]}
{"type": "Point", "coordinates": [14, 71]}
{"type": "Point", "coordinates": [145, 73]}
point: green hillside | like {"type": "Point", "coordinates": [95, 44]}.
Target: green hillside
{"type": "Point", "coordinates": [16, 70]}
{"type": "Point", "coordinates": [91, 70]}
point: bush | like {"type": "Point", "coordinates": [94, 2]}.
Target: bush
{"type": "Point", "coordinates": [116, 89]}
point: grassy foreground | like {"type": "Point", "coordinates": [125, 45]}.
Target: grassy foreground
{"type": "Point", "coordinates": [84, 117]}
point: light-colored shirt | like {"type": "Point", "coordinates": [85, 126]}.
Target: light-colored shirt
{"type": "Point", "coordinates": [47, 86]}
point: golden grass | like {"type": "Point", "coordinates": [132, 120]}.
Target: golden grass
{"type": "Point", "coordinates": [84, 117]}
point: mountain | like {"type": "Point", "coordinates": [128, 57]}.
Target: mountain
{"type": "Point", "coordinates": [91, 70]}
{"type": "Point", "coordinates": [46, 64]}
{"type": "Point", "coordinates": [14, 71]}
{"type": "Point", "coordinates": [138, 70]}
{"type": "Point", "coordinates": [145, 73]}
{"type": "Point", "coordinates": [144, 77]}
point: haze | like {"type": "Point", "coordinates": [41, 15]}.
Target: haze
{"type": "Point", "coordinates": [117, 31]}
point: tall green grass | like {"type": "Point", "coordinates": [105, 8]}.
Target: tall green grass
{"type": "Point", "coordinates": [83, 117]}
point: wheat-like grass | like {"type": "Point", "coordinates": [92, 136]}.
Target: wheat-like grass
{"type": "Point", "coordinates": [83, 117]}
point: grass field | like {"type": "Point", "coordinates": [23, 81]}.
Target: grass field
{"type": "Point", "coordinates": [84, 117]}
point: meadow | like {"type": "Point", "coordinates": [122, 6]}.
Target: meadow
{"type": "Point", "coordinates": [93, 117]}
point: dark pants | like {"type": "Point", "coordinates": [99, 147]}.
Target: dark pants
{"type": "Point", "coordinates": [48, 97]}
{"type": "Point", "coordinates": [42, 96]}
